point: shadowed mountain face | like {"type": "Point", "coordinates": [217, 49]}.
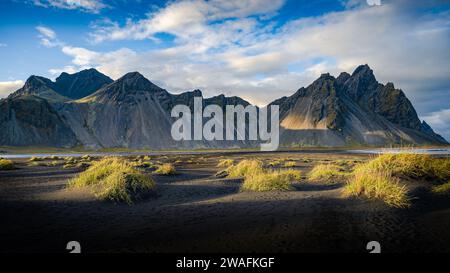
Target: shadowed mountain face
{"type": "Point", "coordinates": [31, 121]}
{"type": "Point", "coordinates": [81, 84]}
{"type": "Point", "coordinates": [89, 109]}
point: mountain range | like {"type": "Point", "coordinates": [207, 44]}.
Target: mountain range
{"type": "Point", "coordinates": [90, 109]}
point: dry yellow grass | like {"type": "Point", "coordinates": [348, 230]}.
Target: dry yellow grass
{"type": "Point", "coordinates": [412, 165]}
{"type": "Point", "coordinates": [256, 178]}
{"type": "Point", "coordinates": [381, 177]}
{"type": "Point", "coordinates": [113, 178]}
{"type": "Point", "coordinates": [268, 181]}
{"type": "Point", "coordinates": [6, 164]}
{"type": "Point", "coordinates": [245, 168]}
{"type": "Point", "coordinates": [166, 169]}
{"type": "Point", "coordinates": [35, 158]}
{"type": "Point", "coordinates": [225, 163]}
{"type": "Point", "coordinates": [290, 164]}
{"type": "Point", "coordinates": [327, 172]}
{"type": "Point", "coordinates": [378, 185]}
{"type": "Point", "coordinates": [442, 189]}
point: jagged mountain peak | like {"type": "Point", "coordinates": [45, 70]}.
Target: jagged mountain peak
{"type": "Point", "coordinates": [86, 72]}
{"type": "Point", "coordinates": [136, 81]}
{"type": "Point", "coordinates": [40, 87]}
{"type": "Point", "coordinates": [81, 84]}
{"type": "Point", "coordinates": [352, 108]}
{"type": "Point", "coordinates": [37, 81]}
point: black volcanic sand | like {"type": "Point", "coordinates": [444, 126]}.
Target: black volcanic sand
{"type": "Point", "coordinates": [197, 212]}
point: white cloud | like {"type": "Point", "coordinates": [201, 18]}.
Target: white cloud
{"type": "Point", "coordinates": [91, 6]}
{"type": "Point", "coordinates": [440, 122]}
{"type": "Point", "coordinates": [7, 88]}
{"type": "Point", "coordinates": [184, 18]}
{"type": "Point", "coordinates": [48, 37]}
{"type": "Point", "coordinates": [68, 69]}
{"type": "Point", "coordinates": [46, 32]}
{"type": "Point", "coordinates": [242, 55]}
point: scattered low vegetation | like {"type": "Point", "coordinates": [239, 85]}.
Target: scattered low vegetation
{"type": "Point", "coordinates": [306, 160]}
{"type": "Point", "coordinates": [166, 169]}
{"type": "Point", "coordinates": [382, 177]}
{"type": "Point", "coordinates": [6, 164]}
{"type": "Point", "coordinates": [275, 163]}
{"type": "Point", "coordinates": [35, 158]}
{"type": "Point", "coordinates": [327, 172]}
{"type": "Point", "coordinates": [225, 163]}
{"type": "Point", "coordinates": [115, 179]}
{"type": "Point", "coordinates": [290, 164]}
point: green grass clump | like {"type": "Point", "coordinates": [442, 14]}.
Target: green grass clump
{"type": "Point", "coordinates": [329, 172]}
{"type": "Point", "coordinates": [420, 166]}
{"type": "Point", "coordinates": [256, 178]}
{"type": "Point", "coordinates": [113, 178]}
{"type": "Point", "coordinates": [6, 164]}
{"type": "Point", "coordinates": [245, 168]}
{"type": "Point", "coordinates": [275, 163]}
{"type": "Point", "coordinates": [290, 164]}
{"type": "Point", "coordinates": [225, 163]}
{"type": "Point", "coordinates": [293, 174]}
{"type": "Point", "coordinates": [442, 189]}
{"type": "Point", "coordinates": [268, 181]}
{"type": "Point", "coordinates": [35, 158]}
{"type": "Point", "coordinates": [380, 178]}
{"type": "Point", "coordinates": [166, 169]}
{"type": "Point", "coordinates": [378, 185]}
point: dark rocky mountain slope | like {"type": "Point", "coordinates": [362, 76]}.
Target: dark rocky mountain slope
{"type": "Point", "coordinates": [351, 110]}
{"type": "Point", "coordinates": [89, 109]}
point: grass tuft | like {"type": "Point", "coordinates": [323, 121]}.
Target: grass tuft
{"type": "Point", "coordinates": [443, 189]}
{"type": "Point", "coordinates": [378, 185]}
{"type": "Point", "coordinates": [290, 164]}
{"type": "Point", "coordinates": [225, 163]}
{"type": "Point", "coordinates": [256, 178]}
{"type": "Point", "coordinates": [166, 169]}
{"type": "Point", "coordinates": [329, 172]}
{"type": "Point", "coordinates": [245, 168]}
{"type": "Point", "coordinates": [35, 158]}
{"type": "Point", "coordinates": [416, 166]}
{"type": "Point", "coordinates": [6, 164]}
{"type": "Point", "coordinates": [268, 181]}
{"type": "Point", "coordinates": [115, 179]}
{"type": "Point", "coordinates": [380, 178]}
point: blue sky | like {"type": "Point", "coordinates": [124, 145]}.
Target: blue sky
{"type": "Point", "coordinates": [256, 49]}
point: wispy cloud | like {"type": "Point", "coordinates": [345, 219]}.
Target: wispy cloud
{"type": "Point", "coordinates": [185, 18]}
{"type": "Point", "coordinates": [48, 37]}
{"type": "Point", "coordinates": [8, 87]}
{"type": "Point", "coordinates": [91, 6]}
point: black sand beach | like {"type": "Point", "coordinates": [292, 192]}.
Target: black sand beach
{"type": "Point", "coordinates": [197, 212]}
